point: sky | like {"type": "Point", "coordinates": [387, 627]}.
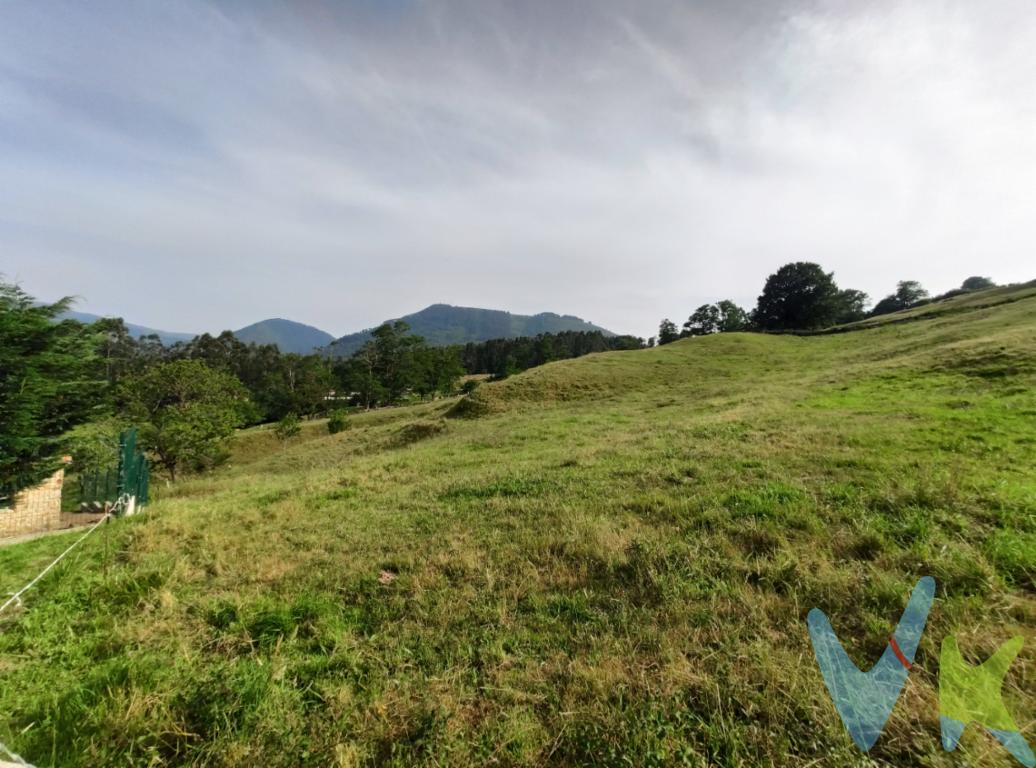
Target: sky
{"type": "Point", "coordinates": [195, 166]}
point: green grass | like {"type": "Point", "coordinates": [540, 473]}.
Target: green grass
{"type": "Point", "coordinates": [603, 561]}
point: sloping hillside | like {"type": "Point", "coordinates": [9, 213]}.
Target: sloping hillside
{"type": "Point", "coordinates": [604, 561]}
{"type": "Point", "coordinates": [960, 302]}
{"type": "Point", "coordinates": [442, 325]}
{"type": "Point", "coordinates": [287, 335]}
{"type": "Point", "coordinates": [958, 330]}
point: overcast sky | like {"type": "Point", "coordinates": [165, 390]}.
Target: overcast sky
{"type": "Point", "coordinates": [198, 166]}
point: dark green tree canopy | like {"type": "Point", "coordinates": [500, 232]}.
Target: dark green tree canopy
{"type": "Point", "coordinates": [396, 364]}
{"type": "Point", "coordinates": [50, 381]}
{"type": "Point", "coordinates": [295, 385]}
{"type": "Point", "coordinates": [186, 412]}
{"type": "Point", "coordinates": [852, 306]}
{"type": "Point", "coordinates": [908, 292]}
{"type": "Point", "coordinates": [731, 317]}
{"type": "Point", "coordinates": [705, 320]}
{"type": "Point", "coordinates": [798, 296]}
{"type": "Point", "coordinates": [722, 317]}
{"type": "Point", "coordinates": [525, 352]}
{"type": "Point", "coordinates": [977, 284]}
{"type": "Point", "coordinates": [667, 332]}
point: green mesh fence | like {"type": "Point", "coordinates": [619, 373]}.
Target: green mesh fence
{"type": "Point", "coordinates": [131, 476]}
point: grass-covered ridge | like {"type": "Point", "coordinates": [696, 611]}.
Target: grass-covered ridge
{"type": "Point", "coordinates": [603, 561]}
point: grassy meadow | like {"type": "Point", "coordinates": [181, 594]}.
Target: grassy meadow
{"type": "Point", "coordinates": [603, 561]}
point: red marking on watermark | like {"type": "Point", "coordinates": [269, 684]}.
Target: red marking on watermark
{"type": "Point", "coordinates": [898, 652]}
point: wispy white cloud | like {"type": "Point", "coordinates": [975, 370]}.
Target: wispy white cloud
{"type": "Point", "coordinates": [343, 163]}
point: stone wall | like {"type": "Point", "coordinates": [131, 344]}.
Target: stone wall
{"type": "Point", "coordinates": [35, 509]}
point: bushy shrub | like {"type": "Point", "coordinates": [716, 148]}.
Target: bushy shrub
{"type": "Point", "coordinates": [288, 427]}
{"type": "Point", "coordinates": [421, 429]}
{"type": "Point", "coordinates": [338, 422]}
{"type": "Point", "coordinates": [94, 446]}
{"type": "Point", "coordinates": [469, 386]}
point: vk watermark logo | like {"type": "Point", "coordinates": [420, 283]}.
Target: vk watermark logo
{"type": "Point", "coordinates": [864, 700]}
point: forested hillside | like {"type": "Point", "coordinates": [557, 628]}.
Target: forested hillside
{"type": "Point", "coordinates": [443, 325]}
{"type": "Point", "coordinates": [288, 336]}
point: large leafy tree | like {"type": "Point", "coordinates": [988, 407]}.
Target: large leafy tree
{"type": "Point", "coordinates": [731, 317]}
{"type": "Point", "coordinates": [358, 376]}
{"type": "Point", "coordinates": [798, 296]}
{"type": "Point", "coordinates": [703, 321]}
{"type": "Point", "coordinates": [122, 355]}
{"type": "Point", "coordinates": [852, 305]}
{"type": "Point", "coordinates": [667, 332]}
{"type": "Point", "coordinates": [386, 367]}
{"type": "Point", "coordinates": [259, 367]}
{"type": "Point", "coordinates": [295, 384]}
{"type": "Point", "coordinates": [395, 348]}
{"type": "Point", "coordinates": [440, 369]}
{"type": "Point", "coordinates": [977, 284]}
{"type": "Point", "coordinates": [187, 412]}
{"type": "Point", "coordinates": [116, 347]}
{"type": "Point", "coordinates": [908, 292]}
{"type": "Point", "coordinates": [722, 317]}
{"type": "Point", "coordinates": [50, 380]}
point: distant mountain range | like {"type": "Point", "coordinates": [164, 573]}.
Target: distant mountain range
{"type": "Point", "coordinates": [443, 324]}
{"type": "Point", "coordinates": [168, 338]}
{"type": "Point", "coordinates": [288, 335]}
{"type": "Point", "coordinates": [439, 324]}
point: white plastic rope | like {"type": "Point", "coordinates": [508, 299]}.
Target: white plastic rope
{"type": "Point", "coordinates": [121, 503]}
{"type": "Point", "coordinates": [16, 598]}
{"type": "Point", "coordinates": [14, 756]}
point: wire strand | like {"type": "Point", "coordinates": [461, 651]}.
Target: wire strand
{"type": "Point", "coordinates": [16, 597]}
{"type": "Point", "coordinates": [18, 759]}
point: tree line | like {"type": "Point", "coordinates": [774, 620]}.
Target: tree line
{"type": "Point", "coordinates": [501, 358]}
{"type": "Point", "coordinates": [70, 387]}
{"type": "Point", "coordinates": [801, 296]}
